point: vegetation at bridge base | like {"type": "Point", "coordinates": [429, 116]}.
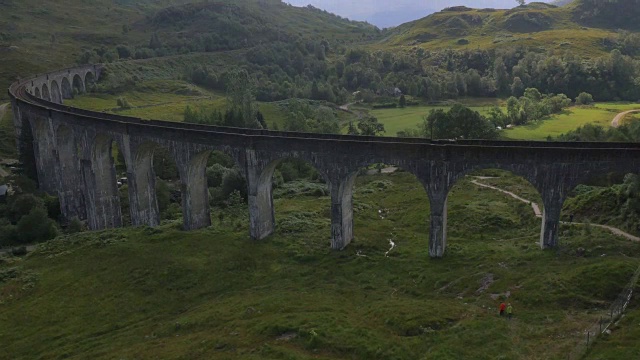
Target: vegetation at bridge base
{"type": "Point", "coordinates": [214, 293]}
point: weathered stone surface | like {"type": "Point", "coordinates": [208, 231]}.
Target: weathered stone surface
{"type": "Point", "coordinates": [72, 150]}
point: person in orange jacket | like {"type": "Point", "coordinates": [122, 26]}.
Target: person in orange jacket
{"type": "Point", "coordinates": [502, 308]}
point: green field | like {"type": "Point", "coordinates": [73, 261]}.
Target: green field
{"type": "Point", "coordinates": [164, 293]}
{"type": "Point", "coordinates": [601, 114]}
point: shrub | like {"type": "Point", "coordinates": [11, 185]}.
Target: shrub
{"type": "Point", "coordinates": [215, 173]}
{"type": "Point", "coordinates": [24, 204]}
{"type": "Point", "coordinates": [584, 99]}
{"type": "Point", "coordinates": [36, 227]}
{"type": "Point", "coordinates": [75, 226]}
{"type": "Point", "coordinates": [234, 181]}
{"type": "Point", "coordinates": [463, 41]}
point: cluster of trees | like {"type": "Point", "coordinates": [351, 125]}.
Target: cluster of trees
{"type": "Point", "coordinates": [531, 106]}
{"type": "Point", "coordinates": [305, 116]}
{"type": "Point", "coordinates": [629, 132]}
{"type": "Point", "coordinates": [459, 122]}
{"type": "Point", "coordinates": [29, 216]}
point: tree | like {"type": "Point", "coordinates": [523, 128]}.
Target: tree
{"type": "Point", "coordinates": [513, 110]}
{"type": "Point", "coordinates": [584, 99]}
{"type": "Point", "coordinates": [369, 126]}
{"type": "Point", "coordinates": [517, 88]}
{"type": "Point", "coordinates": [458, 122]}
{"type": "Point", "coordinates": [521, 2]}
{"type": "Point", "coordinates": [402, 102]}
{"type": "Point", "coordinates": [241, 97]}
{"type": "Point", "coordinates": [36, 227]}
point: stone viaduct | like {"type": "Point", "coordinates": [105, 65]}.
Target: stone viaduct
{"type": "Point", "coordinates": [72, 149]}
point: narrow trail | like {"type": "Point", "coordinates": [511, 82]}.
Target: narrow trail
{"type": "Point", "coordinates": [618, 119]}
{"type": "Point", "coordinates": [538, 213]}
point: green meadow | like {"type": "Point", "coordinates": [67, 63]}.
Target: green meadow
{"type": "Point", "coordinates": [164, 293]}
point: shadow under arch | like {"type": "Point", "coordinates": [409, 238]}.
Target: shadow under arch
{"type": "Point", "coordinates": [103, 206]}
{"type": "Point", "coordinates": [56, 97]}
{"type": "Point", "coordinates": [522, 193]}
{"type": "Point", "coordinates": [196, 197]}
{"type": "Point", "coordinates": [65, 86]}
{"type": "Point", "coordinates": [37, 93]}
{"type": "Point", "coordinates": [77, 84]}
{"type": "Point", "coordinates": [260, 196]}
{"type": "Point", "coordinates": [89, 80]}
{"type": "Point", "coordinates": [45, 92]}
{"type": "Point", "coordinates": [374, 181]}
{"type": "Point", "coordinates": [71, 196]}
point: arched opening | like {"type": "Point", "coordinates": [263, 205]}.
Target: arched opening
{"type": "Point", "coordinates": [78, 85]}
{"type": "Point", "coordinates": [213, 181]}
{"type": "Point", "coordinates": [384, 206]}
{"type": "Point", "coordinates": [168, 189]}
{"type": "Point", "coordinates": [67, 92]}
{"type": "Point", "coordinates": [56, 97]}
{"type": "Point", "coordinates": [37, 93]}
{"type": "Point", "coordinates": [104, 207]}
{"type": "Point", "coordinates": [45, 92]}
{"type": "Point", "coordinates": [89, 81]}
{"type": "Point", "coordinates": [490, 209]}
{"type": "Point", "coordinates": [71, 194]}
{"type": "Point", "coordinates": [299, 193]}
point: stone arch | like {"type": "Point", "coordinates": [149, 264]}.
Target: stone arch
{"type": "Point", "coordinates": [104, 202]}
{"type": "Point", "coordinates": [37, 93]}
{"type": "Point", "coordinates": [343, 228]}
{"type": "Point", "coordinates": [77, 84]}
{"type": "Point", "coordinates": [65, 86]}
{"type": "Point", "coordinates": [89, 80]}
{"type": "Point", "coordinates": [56, 96]}
{"type": "Point", "coordinates": [548, 201]}
{"type": "Point", "coordinates": [45, 92]}
{"type": "Point", "coordinates": [262, 211]}
{"type": "Point", "coordinates": [195, 199]}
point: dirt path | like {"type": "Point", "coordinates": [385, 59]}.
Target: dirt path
{"type": "Point", "coordinates": [618, 119]}
{"type": "Point", "coordinates": [538, 213]}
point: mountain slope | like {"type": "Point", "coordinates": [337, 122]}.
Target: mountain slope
{"type": "Point", "coordinates": [540, 26]}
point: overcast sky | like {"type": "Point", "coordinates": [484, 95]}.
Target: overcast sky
{"type": "Point", "coordinates": [385, 13]}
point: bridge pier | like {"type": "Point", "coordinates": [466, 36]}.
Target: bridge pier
{"type": "Point", "coordinates": [141, 180]}
{"type": "Point", "coordinates": [44, 149]}
{"type": "Point", "coordinates": [341, 211]}
{"type": "Point", "coordinates": [103, 205]}
{"type": "Point", "coordinates": [196, 211]}
{"type": "Point", "coordinates": [71, 194]}
{"type": "Point", "coordinates": [262, 218]}
{"type": "Point", "coordinates": [438, 228]}
{"type": "Point", "coordinates": [550, 223]}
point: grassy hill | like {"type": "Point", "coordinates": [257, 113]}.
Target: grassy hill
{"type": "Point", "coordinates": [148, 293]}
{"type": "Point", "coordinates": [541, 26]}
{"type": "Point", "coordinates": [36, 37]}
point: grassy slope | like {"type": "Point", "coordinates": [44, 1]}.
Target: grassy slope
{"type": "Point", "coordinates": [490, 30]}
{"type": "Point", "coordinates": [7, 135]}
{"type": "Point", "coordinates": [142, 293]}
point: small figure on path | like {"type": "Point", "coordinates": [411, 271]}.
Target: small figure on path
{"type": "Point", "coordinates": [570, 218]}
{"type": "Point", "coordinates": [509, 311]}
{"type": "Point", "coordinates": [502, 308]}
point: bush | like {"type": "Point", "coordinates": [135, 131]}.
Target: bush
{"type": "Point", "coordinates": [215, 173]}
{"type": "Point", "coordinates": [24, 204]}
{"type": "Point", "coordinates": [36, 227]}
{"type": "Point", "coordinates": [75, 226]}
{"type": "Point", "coordinates": [234, 181]}
{"type": "Point", "coordinates": [584, 99]}
{"type": "Point", "coordinates": [123, 103]}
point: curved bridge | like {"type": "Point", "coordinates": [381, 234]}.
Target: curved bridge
{"type": "Point", "coordinates": [73, 156]}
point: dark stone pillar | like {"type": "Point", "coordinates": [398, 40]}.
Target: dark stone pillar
{"type": "Point", "coordinates": [45, 154]}
{"type": "Point", "coordinates": [550, 223]}
{"type": "Point", "coordinates": [262, 219]}
{"type": "Point", "coordinates": [195, 193]}
{"type": "Point", "coordinates": [103, 207]}
{"type": "Point", "coordinates": [141, 180]}
{"type": "Point", "coordinates": [341, 211]}
{"type": "Point", "coordinates": [438, 228]}
{"type": "Point", "coordinates": [71, 191]}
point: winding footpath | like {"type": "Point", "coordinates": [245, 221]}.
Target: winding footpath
{"type": "Point", "coordinates": [538, 213]}
{"type": "Point", "coordinates": [618, 119]}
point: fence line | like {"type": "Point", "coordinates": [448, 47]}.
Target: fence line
{"type": "Point", "coordinates": [602, 325]}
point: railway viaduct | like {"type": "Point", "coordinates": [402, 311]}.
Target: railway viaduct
{"type": "Point", "coordinates": [72, 149]}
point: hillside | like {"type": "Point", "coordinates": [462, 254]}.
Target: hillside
{"type": "Point", "coordinates": [164, 293]}
{"type": "Point", "coordinates": [36, 36]}
{"type": "Point", "coordinates": [540, 26]}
